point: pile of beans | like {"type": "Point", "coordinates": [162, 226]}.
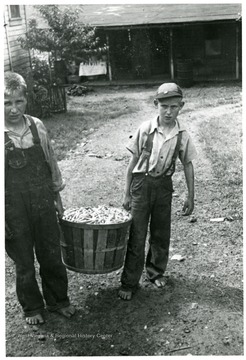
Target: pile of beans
{"type": "Point", "coordinates": [97, 215]}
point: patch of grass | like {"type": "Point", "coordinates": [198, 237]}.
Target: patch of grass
{"type": "Point", "coordinates": [199, 97]}
{"type": "Point", "coordinates": [222, 137]}
{"type": "Point", "coordinates": [66, 129]}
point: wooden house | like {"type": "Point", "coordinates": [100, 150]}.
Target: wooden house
{"type": "Point", "coordinates": [15, 25]}
{"type": "Point", "coordinates": [183, 42]}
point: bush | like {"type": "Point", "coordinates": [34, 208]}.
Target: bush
{"type": "Point", "coordinates": [41, 71]}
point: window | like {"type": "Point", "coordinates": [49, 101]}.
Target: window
{"type": "Point", "coordinates": [14, 12]}
{"type": "Point", "coordinates": [212, 41]}
{"type": "Point", "coordinates": [213, 47]}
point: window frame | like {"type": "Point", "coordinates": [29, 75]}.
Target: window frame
{"type": "Point", "coordinates": [13, 21]}
{"type": "Point", "coordinates": [11, 17]}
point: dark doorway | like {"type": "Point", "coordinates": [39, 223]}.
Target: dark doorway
{"type": "Point", "coordinates": [120, 53]}
{"type": "Point", "coordinates": [160, 48]}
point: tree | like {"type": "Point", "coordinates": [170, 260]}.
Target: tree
{"type": "Point", "coordinates": [65, 38]}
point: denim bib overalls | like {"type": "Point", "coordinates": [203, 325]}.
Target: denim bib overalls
{"type": "Point", "coordinates": [31, 218]}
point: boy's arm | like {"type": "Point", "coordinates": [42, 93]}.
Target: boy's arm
{"type": "Point", "coordinates": [189, 177]}
{"type": "Point", "coordinates": [57, 181]}
{"type": "Point", "coordinates": [127, 197]}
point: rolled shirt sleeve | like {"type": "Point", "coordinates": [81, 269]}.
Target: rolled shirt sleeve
{"type": "Point", "coordinates": [187, 150]}
{"type": "Point", "coordinates": [136, 142]}
{"type": "Point", "coordinates": [133, 144]}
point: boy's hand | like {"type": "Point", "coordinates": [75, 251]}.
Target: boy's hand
{"type": "Point", "coordinates": [127, 202]}
{"type": "Point", "coordinates": [59, 206]}
{"type": "Point", "coordinates": [59, 209]}
{"type": "Point", "coordinates": [188, 207]}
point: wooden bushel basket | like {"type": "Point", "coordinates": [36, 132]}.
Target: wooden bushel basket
{"type": "Point", "coordinates": [93, 249]}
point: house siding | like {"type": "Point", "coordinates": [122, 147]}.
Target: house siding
{"type": "Point", "coordinates": [15, 58]}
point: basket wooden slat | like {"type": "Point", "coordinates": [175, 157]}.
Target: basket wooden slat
{"type": "Point", "coordinates": [78, 248]}
{"type": "Point", "coordinates": [93, 249]}
{"type": "Point", "coordinates": [100, 250]}
{"type": "Point", "coordinates": [119, 255]}
{"type": "Point", "coordinates": [88, 249]}
{"type": "Point", "coordinates": [112, 242]}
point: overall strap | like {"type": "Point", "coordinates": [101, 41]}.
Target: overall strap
{"type": "Point", "coordinates": [147, 150]}
{"type": "Point", "coordinates": [176, 151]}
{"type": "Point", "coordinates": [175, 154]}
{"type": "Point", "coordinates": [7, 141]}
{"type": "Point", "coordinates": [34, 130]}
{"type": "Point", "coordinates": [36, 139]}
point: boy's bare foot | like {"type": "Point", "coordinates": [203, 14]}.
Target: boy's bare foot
{"type": "Point", "coordinates": [161, 282]}
{"type": "Point", "coordinates": [125, 294]}
{"type": "Point", "coordinates": [67, 311]}
{"type": "Point", "coordinates": [35, 320]}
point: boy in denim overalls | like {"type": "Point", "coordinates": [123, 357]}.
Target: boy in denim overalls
{"type": "Point", "coordinates": [155, 147]}
{"type": "Point", "coordinates": [32, 185]}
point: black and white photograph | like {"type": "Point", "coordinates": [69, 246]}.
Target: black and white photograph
{"type": "Point", "coordinates": [123, 179]}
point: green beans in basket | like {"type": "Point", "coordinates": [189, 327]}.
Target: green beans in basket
{"type": "Point", "coordinates": [97, 215]}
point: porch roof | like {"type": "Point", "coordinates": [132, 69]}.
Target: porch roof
{"type": "Point", "coordinates": [127, 15]}
{"type": "Point", "coordinates": [118, 15]}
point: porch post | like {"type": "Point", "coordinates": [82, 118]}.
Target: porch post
{"type": "Point", "coordinates": [109, 64]}
{"type": "Point", "coordinates": [237, 50]}
{"type": "Point", "coordinates": [171, 54]}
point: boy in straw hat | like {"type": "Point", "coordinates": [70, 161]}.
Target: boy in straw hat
{"type": "Point", "coordinates": [148, 193]}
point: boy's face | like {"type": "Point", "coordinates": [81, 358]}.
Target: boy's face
{"type": "Point", "coordinates": [14, 107]}
{"type": "Point", "coordinates": [169, 109]}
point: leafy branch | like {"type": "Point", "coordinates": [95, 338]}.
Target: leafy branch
{"type": "Point", "coordinates": [65, 37]}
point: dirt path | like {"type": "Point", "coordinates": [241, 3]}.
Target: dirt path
{"type": "Point", "coordinates": [200, 311]}
{"type": "Point", "coordinates": [101, 163]}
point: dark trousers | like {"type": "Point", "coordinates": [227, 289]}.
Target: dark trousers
{"type": "Point", "coordinates": [151, 206]}
{"type": "Point", "coordinates": [32, 218]}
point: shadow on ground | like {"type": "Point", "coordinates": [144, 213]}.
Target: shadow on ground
{"type": "Point", "coordinates": [150, 324]}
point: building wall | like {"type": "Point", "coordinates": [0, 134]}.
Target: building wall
{"type": "Point", "coordinates": [15, 58]}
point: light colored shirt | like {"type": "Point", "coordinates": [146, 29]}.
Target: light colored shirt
{"type": "Point", "coordinates": [25, 140]}
{"type": "Point", "coordinates": [163, 147]}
